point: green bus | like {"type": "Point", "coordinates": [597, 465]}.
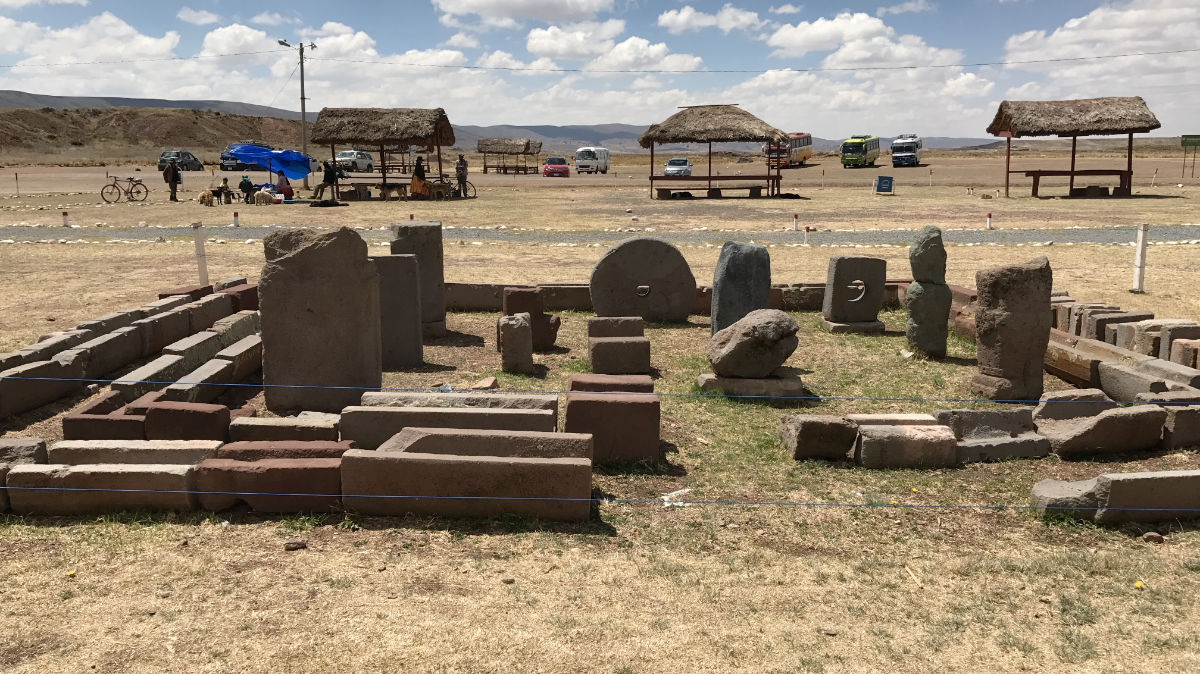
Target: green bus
{"type": "Point", "coordinates": [860, 150]}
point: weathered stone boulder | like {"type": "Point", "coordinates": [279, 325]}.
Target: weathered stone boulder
{"type": "Point", "coordinates": [928, 298]}
{"type": "Point", "coordinates": [741, 283]}
{"type": "Point", "coordinates": [755, 345]}
{"type": "Point", "coordinates": [993, 435]}
{"type": "Point", "coordinates": [1113, 431]}
{"type": "Point", "coordinates": [516, 344]}
{"type": "Point", "coordinates": [817, 436]}
{"type": "Point", "coordinates": [1012, 325]}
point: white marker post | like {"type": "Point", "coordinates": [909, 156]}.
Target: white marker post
{"type": "Point", "coordinates": [66, 222]}
{"type": "Point", "coordinates": [931, 177]}
{"type": "Point", "coordinates": [1139, 261]}
{"type": "Point", "coordinates": [989, 221]}
{"type": "Point", "coordinates": [201, 261]}
{"type": "Point", "coordinates": [1154, 179]}
{"type": "Point", "coordinates": [235, 220]}
{"type": "Point", "coordinates": [796, 222]}
{"type": "Point", "coordinates": [17, 180]}
{"type": "Point", "coordinates": [807, 229]}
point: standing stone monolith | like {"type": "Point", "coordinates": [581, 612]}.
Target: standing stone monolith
{"type": "Point", "coordinates": [319, 300]}
{"type": "Point", "coordinates": [928, 297]}
{"type": "Point", "coordinates": [516, 344]}
{"type": "Point", "coordinates": [1012, 325]}
{"type": "Point", "coordinates": [644, 277]}
{"type": "Point", "coordinates": [741, 283]}
{"type": "Point", "coordinates": [399, 310]}
{"type": "Point", "coordinates": [424, 239]}
{"type": "Point", "coordinates": [854, 290]}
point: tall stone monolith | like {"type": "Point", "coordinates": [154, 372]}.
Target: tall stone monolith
{"type": "Point", "coordinates": [741, 283]}
{"type": "Point", "coordinates": [1012, 325]}
{"type": "Point", "coordinates": [928, 297]}
{"type": "Point", "coordinates": [319, 300]}
{"type": "Point", "coordinates": [399, 310]}
{"type": "Point", "coordinates": [424, 239]}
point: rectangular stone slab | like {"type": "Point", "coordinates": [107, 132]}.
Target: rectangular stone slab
{"type": "Point", "coordinates": [257, 450]}
{"type": "Point", "coordinates": [204, 312]}
{"type": "Point", "coordinates": [631, 383]}
{"type": "Point", "coordinates": [370, 427]}
{"type": "Point", "coordinates": [151, 377]}
{"type": "Point", "coordinates": [779, 388]}
{"type": "Point", "coordinates": [624, 427]}
{"type": "Point", "coordinates": [246, 356]}
{"type": "Point", "coordinates": [905, 447]}
{"type": "Point", "coordinates": [619, 355]}
{"type": "Point", "coordinates": [282, 428]}
{"type": "Point", "coordinates": [270, 485]}
{"type": "Point", "coordinates": [202, 385]}
{"type": "Point", "coordinates": [470, 442]}
{"type": "Point", "coordinates": [56, 489]}
{"type": "Point", "coordinates": [616, 326]}
{"type": "Point", "coordinates": [460, 399]}
{"type": "Point", "coordinates": [48, 380]}
{"type": "Point", "coordinates": [892, 419]}
{"type": "Point", "coordinates": [79, 452]}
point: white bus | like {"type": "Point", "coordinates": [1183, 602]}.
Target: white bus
{"type": "Point", "coordinates": [906, 150]}
{"type": "Point", "coordinates": [591, 160]}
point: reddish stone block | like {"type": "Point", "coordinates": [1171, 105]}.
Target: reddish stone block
{"type": "Point", "coordinates": [522, 300]}
{"type": "Point", "coordinates": [103, 419]}
{"type": "Point", "coordinates": [623, 427]}
{"type": "Point", "coordinates": [631, 383]}
{"type": "Point", "coordinates": [245, 296]}
{"type": "Point", "coordinates": [140, 405]}
{"type": "Point", "coordinates": [270, 485]}
{"type": "Point", "coordinates": [619, 355]}
{"type": "Point", "coordinates": [187, 421]}
{"type": "Point", "coordinates": [194, 292]}
{"type": "Point", "coordinates": [258, 450]}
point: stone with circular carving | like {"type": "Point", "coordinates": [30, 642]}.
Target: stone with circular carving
{"type": "Point", "coordinates": [644, 277]}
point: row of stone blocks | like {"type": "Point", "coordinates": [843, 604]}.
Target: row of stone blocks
{"type": "Point", "coordinates": [1072, 424]}
{"type": "Point", "coordinates": [56, 366]}
{"type": "Point", "coordinates": [1173, 339]}
{"type": "Point", "coordinates": [618, 345]}
{"type": "Point", "coordinates": [1123, 374]}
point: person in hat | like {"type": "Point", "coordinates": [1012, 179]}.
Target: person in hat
{"type": "Point", "coordinates": [247, 189]}
{"type": "Point", "coordinates": [172, 176]}
{"type": "Point", "coordinates": [460, 174]}
{"type": "Point", "coordinates": [419, 186]}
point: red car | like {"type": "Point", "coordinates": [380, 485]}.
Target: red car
{"type": "Point", "coordinates": [556, 166]}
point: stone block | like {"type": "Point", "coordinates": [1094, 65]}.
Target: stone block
{"type": "Point", "coordinates": [1114, 498]}
{"type": "Point", "coordinates": [1114, 431]}
{"type": "Point", "coordinates": [1144, 337]}
{"type": "Point", "coordinates": [1096, 326]}
{"type": "Point", "coordinates": [803, 297]}
{"type": "Point", "coordinates": [616, 326]}
{"type": "Point", "coordinates": [1181, 430]}
{"type": "Point", "coordinates": [283, 428]}
{"type": "Point", "coordinates": [1170, 333]}
{"type": "Point", "coordinates": [1123, 383]}
{"type": "Point", "coordinates": [473, 442]}
{"type": "Point", "coordinates": [319, 298]}
{"type": "Point", "coordinates": [270, 485]}
{"type": "Point", "coordinates": [892, 419]}
{"type": "Point", "coordinates": [187, 421]}
{"type": "Point", "coordinates": [151, 377]}
{"type": "Point", "coordinates": [101, 419]}
{"type": "Point", "coordinates": [784, 386]}
{"type": "Point", "coordinates": [1081, 312]}
{"type": "Point", "coordinates": [202, 385]}
{"type": "Point", "coordinates": [424, 240]}
{"type": "Point", "coordinates": [644, 277]}
{"type": "Point", "coordinates": [237, 326]}
{"type": "Point", "coordinates": [165, 304]}
{"type": "Point", "coordinates": [1072, 365]}
{"type": "Point", "coordinates": [1012, 322]}
{"type": "Point", "coordinates": [55, 489]}
{"type": "Point", "coordinates": [113, 321]}
{"type": "Point", "coordinates": [111, 352]}
{"type": "Point", "coordinates": [142, 403]}
{"type": "Point", "coordinates": [1168, 371]}
{"type": "Point", "coordinates": [521, 300]}
{"type": "Point", "coordinates": [854, 288]}
{"type": "Point", "coordinates": [192, 292]}
{"type": "Point", "coordinates": [741, 283]}
{"type": "Point", "coordinates": [754, 346]}
{"type": "Point", "coordinates": [994, 435]}
{"type": "Point", "coordinates": [163, 329]}
{"type": "Point", "coordinates": [228, 283]}
{"type": "Point", "coordinates": [619, 355]}
{"type": "Point", "coordinates": [514, 401]}
{"type": "Point", "coordinates": [27, 387]}
{"type": "Point", "coordinates": [566, 297]}
{"type": "Point", "coordinates": [863, 328]}
{"type": "Point", "coordinates": [244, 296]}
{"type": "Point", "coordinates": [257, 450]}
{"type": "Point", "coordinates": [817, 436]}
{"type": "Point", "coordinates": [82, 452]}
{"type": "Point", "coordinates": [1072, 404]}
{"type": "Point", "coordinates": [629, 383]}
{"type": "Point", "coordinates": [399, 310]}
{"type": "Point", "coordinates": [516, 343]}
{"type": "Point", "coordinates": [15, 451]}
{"type": "Point", "coordinates": [195, 349]}
{"type": "Point", "coordinates": [49, 347]}
{"type": "Point", "coordinates": [246, 356]}
{"type": "Point", "coordinates": [624, 427]}
{"type": "Point", "coordinates": [370, 427]}
{"type": "Point", "coordinates": [1183, 396]}
{"type": "Point", "coordinates": [204, 312]}
{"type": "Point", "coordinates": [702, 306]}
{"type": "Point", "coordinates": [925, 446]}
{"type": "Point", "coordinates": [477, 480]}
{"type": "Point", "coordinates": [1183, 351]}
{"type": "Point", "coordinates": [474, 297]}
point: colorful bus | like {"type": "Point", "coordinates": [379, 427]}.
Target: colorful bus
{"type": "Point", "coordinates": [797, 151]}
{"type": "Point", "coordinates": [860, 150]}
{"type": "Point", "coordinates": [906, 150]}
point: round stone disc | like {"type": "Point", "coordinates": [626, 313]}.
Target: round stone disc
{"type": "Point", "coordinates": [643, 277]}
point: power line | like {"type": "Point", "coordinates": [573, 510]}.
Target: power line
{"type": "Point", "coordinates": [752, 71]}
{"type": "Point", "coordinates": [147, 60]}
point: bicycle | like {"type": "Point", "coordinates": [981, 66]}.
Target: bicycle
{"type": "Point", "coordinates": [468, 188]}
{"type": "Point", "coordinates": [133, 190]}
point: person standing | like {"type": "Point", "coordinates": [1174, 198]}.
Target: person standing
{"type": "Point", "coordinates": [418, 180]}
{"type": "Point", "coordinates": [172, 176]}
{"type": "Point", "coordinates": [460, 174]}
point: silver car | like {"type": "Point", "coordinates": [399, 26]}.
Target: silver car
{"type": "Point", "coordinates": [678, 166]}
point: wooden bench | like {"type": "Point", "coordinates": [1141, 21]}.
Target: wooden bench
{"type": "Point", "coordinates": [716, 191]}
{"type": "Point", "coordinates": [1125, 176]}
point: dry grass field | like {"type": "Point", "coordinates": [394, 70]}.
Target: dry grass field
{"type": "Point", "coordinates": [888, 574]}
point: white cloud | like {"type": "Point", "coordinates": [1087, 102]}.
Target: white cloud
{"type": "Point", "coordinates": [910, 6]}
{"type": "Point", "coordinates": [463, 40]}
{"type": "Point", "coordinates": [503, 59]}
{"type": "Point", "coordinates": [197, 17]}
{"type": "Point", "coordinates": [786, 9]}
{"type": "Point", "coordinates": [15, 34]}
{"type": "Point", "coordinates": [637, 53]}
{"type": "Point", "coordinates": [17, 4]}
{"type": "Point", "coordinates": [825, 34]}
{"type": "Point", "coordinates": [272, 19]}
{"type": "Point", "coordinates": [728, 18]}
{"type": "Point", "coordinates": [574, 41]}
{"type": "Point", "coordinates": [504, 13]}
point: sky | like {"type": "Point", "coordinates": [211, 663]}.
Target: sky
{"type": "Point", "coordinates": [826, 68]}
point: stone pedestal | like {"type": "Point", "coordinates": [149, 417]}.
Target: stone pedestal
{"type": "Point", "coordinates": [399, 310]}
{"type": "Point", "coordinates": [424, 239]}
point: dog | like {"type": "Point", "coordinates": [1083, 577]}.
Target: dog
{"type": "Point", "coordinates": [263, 197]}
{"type": "Point", "coordinates": [205, 198]}
{"type": "Point", "coordinates": [386, 191]}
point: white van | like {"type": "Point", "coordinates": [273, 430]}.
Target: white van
{"type": "Point", "coordinates": [591, 160]}
{"type": "Point", "coordinates": [906, 150]}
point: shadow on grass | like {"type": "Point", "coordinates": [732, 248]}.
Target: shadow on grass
{"type": "Point", "coordinates": [660, 467]}
{"type": "Point", "coordinates": [455, 338]}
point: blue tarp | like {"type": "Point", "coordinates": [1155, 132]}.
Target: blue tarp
{"type": "Point", "coordinates": [293, 164]}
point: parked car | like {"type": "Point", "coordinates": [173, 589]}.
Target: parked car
{"type": "Point", "coordinates": [186, 160]}
{"type": "Point", "coordinates": [231, 163]}
{"type": "Point", "coordinates": [356, 160]}
{"type": "Point", "coordinates": [556, 166]}
{"type": "Point", "coordinates": [678, 166]}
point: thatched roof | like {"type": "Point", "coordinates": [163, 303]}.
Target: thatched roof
{"type": "Point", "coordinates": [373, 127]}
{"type": "Point", "coordinates": [1082, 117]}
{"type": "Point", "coordinates": [508, 146]}
{"type": "Point", "coordinates": [711, 124]}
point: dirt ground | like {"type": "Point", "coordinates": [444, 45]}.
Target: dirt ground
{"type": "Point", "coordinates": [752, 577]}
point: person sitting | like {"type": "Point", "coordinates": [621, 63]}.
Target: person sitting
{"type": "Point", "coordinates": [283, 187]}
{"type": "Point", "coordinates": [329, 178]}
{"type": "Point", "coordinates": [420, 187]}
{"type": "Point", "coordinates": [247, 188]}
{"type": "Point", "coordinates": [222, 193]}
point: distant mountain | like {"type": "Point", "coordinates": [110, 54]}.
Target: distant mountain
{"type": "Point", "coordinates": [20, 99]}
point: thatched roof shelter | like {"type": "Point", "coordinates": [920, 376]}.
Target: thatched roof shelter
{"type": "Point", "coordinates": [378, 127]}
{"type": "Point", "coordinates": [1081, 117]}
{"type": "Point", "coordinates": [711, 124]}
{"type": "Point", "coordinates": [508, 146]}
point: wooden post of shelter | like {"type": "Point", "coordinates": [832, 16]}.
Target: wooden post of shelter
{"type": "Point", "coordinates": [1074, 142]}
{"type": "Point", "coordinates": [1007, 163]}
{"type": "Point", "coordinates": [652, 168]}
{"type": "Point", "coordinates": [710, 166]}
{"type": "Point", "coordinates": [383, 168]}
{"type": "Point", "coordinates": [439, 154]}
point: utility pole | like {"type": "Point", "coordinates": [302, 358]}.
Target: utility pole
{"type": "Point", "coordinates": [303, 110]}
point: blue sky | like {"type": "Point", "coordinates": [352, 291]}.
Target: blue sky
{"type": "Point", "coordinates": [551, 61]}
